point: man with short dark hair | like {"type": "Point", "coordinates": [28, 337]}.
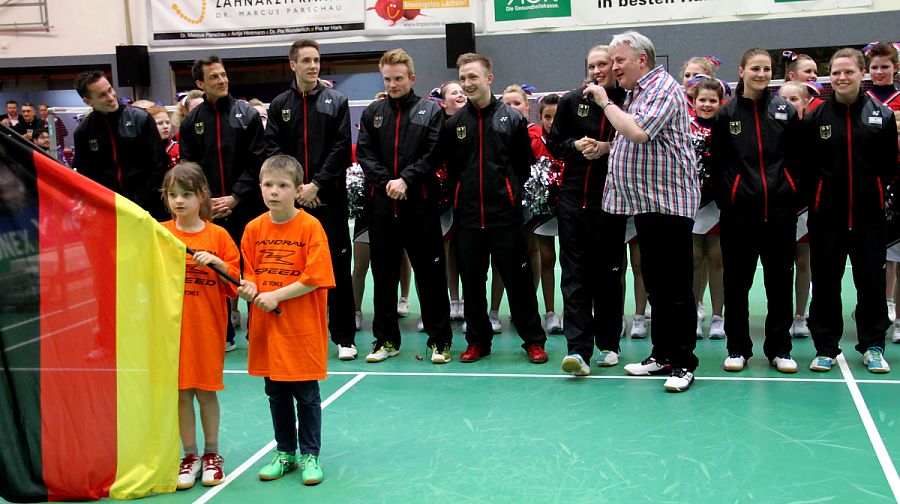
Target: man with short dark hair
{"type": "Point", "coordinates": [488, 153]}
{"type": "Point", "coordinates": [118, 147]}
{"type": "Point", "coordinates": [11, 117]}
{"type": "Point", "coordinates": [652, 176]}
{"type": "Point", "coordinates": [224, 135]}
{"type": "Point", "coordinates": [29, 121]}
{"type": "Point", "coordinates": [42, 139]}
{"type": "Point", "coordinates": [311, 121]}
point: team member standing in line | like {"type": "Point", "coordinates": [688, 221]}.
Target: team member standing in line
{"type": "Point", "coordinates": [755, 139]}
{"type": "Point", "coordinates": [311, 121]}
{"type": "Point", "coordinates": [397, 148]}
{"type": "Point", "coordinates": [852, 140]}
{"type": "Point", "coordinates": [489, 157]}
{"type": "Point", "coordinates": [590, 313]}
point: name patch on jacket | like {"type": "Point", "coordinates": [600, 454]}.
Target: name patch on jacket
{"type": "Point", "coordinates": [875, 118]}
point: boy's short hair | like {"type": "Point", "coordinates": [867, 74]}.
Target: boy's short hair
{"type": "Point", "coordinates": [283, 163]}
{"type": "Point", "coordinates": [84, 80]}
{"type": "Point", "coordinates": [199, 63]}
{"type": "Point", "coordinates": [885, 50]}
{"type": "Point", "coordinates": [300, 44]}
{"type": "Point", "coordinates": [465, 59]}
{"type": "Point", "coordinates": [38, 132]}
{"type": "Point", "coordinates": [397, 57]}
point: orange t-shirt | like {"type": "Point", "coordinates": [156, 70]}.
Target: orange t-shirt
{"type": "Point", "coordinates": [204, 318]}
{"type": "Point", "coordinates": [294, 345]}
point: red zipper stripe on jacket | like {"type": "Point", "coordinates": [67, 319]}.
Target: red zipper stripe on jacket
{"type": "Point", "coordinates": [480, 165]}
{"type": "Point", "coordinates": [305, 141]}
{"type": "Point", "coordinates": [512, 199]}
{"type": "Point", "coordinates": [762, 166]}
{"type": "Point", "coordinates": [789, 179]}
{"type": "Point", "coordinates": [880, 192]}
{"type": "Point", "coordinates": [456, 194]}
{"type": "Point", "coordinates": [734, 187]}
{"type": "Point", "coordinates": [850, 169]}
{"type": "Point", "coordinates": [397, 150]}
{"type": "Point", "coordinates": [112, 141]}
{"type": "Point", "coordinates": [587, 176]}
{"type": "Point", "coordinates": [818, 195]}
{"type": "Point", "coordinates": [219, 147]}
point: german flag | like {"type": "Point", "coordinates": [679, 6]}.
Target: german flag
{"type": "Point", "coordinates": [90, 315]}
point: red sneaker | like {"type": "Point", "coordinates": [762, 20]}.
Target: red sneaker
{"type": "Point", "coordinates": [536, 353]}
{"type": "Point", "coordinates": [473, 353]}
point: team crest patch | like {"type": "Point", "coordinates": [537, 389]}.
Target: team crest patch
{"type": "Point", "coordinates": [285, 115]}
{"type": "Point", "coordinates": [460, 132]}
{"type": "Point", "coordinates": [198, 128]}
{"type": "Point", "coordinates": [825, 132]}
{"type": "Point", "coordinates": [583, 110]}
{"type": "Point", "coordinates": [378, 121]}
{"type": "Point", "coordinates": [735, 127]}
{"type": "Point", "coordinates": [94, 145]}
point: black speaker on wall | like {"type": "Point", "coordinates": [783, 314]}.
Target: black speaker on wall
{"type": "Point", "coordinates": [460, 40]}
{"type": "Point", "coordinates": [133, 64]}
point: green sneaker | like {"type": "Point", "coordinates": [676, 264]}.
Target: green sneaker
{"type": "Point", "coordinates": [282, 462]}
{"type": "Point", "coordinates": [310, 470]}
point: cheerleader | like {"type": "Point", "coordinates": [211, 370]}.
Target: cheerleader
{"type": "Point", "coordinates": [801, 68]}
{"type": "Point", "coordinates": [707, 94]}
{"type": "Point", "coordinates": [164, 125]}
{"type": "Point", "coordinates": [754, 139]}
{"type": "Point", "coordinates": [698, 65]}
{"type": "Point", "coordinates": [852, 143]}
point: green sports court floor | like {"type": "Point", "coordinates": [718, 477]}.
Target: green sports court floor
{"type": "Point", "coordinates": [504, 430]}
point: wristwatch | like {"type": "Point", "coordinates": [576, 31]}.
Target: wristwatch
{"type": "Point", "coordinates": [605, 104]}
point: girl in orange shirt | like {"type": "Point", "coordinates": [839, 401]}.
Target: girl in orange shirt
{"type": "Point", "coordinates": [204, 316]}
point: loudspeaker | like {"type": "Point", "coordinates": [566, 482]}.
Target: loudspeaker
{"type": "Point", "coordinates": [460, 40]}
{"type": "Point", "coordinates": [133, 64]}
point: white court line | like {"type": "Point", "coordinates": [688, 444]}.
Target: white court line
{"type": "Point", "coordinates": [887, 465]}
{"type": "Point", "coordinates": [52, 333]}
{"type": "Point", "coordinates": [265, 450]}
{"type": "Point", "coordinates": [591, 377]}
{"type": "Point", "coordinates": [45, 315]}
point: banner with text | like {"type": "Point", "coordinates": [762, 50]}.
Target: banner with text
{"type": "Point", "coordinates": [503, 15]}
{"type": "Point", "coordinates": [181, 22]}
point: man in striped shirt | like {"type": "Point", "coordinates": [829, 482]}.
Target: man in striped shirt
{"type": "Point", "coordinates": [652, 177]}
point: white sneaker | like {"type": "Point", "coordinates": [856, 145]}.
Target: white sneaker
{"type": "Point", "coordinates": [420, 326]}
{"type": "Point", "coordinates": [213, 470]}
{"type": "Point", "coordinates": [495, 322]}
{"type": "Point", "coordinates": [699, 328]}
{"type": "Point", "coordinates": [679, 381]}
{"type": "Point", "coordinates": [575, 364]}
{"type": "Point", "coordinates": [734, 362]}
{"type": "Point", "coordinates": [346, 352]}
{"type": "Point", "coordinates": [235, 319]}
{"type": "Point", "coordinates": [357, 319]}
{"type": "Point", "coordinates": [784, 363]}
{"type": "Point", "coordinates": [821, 363]}
{"type": "Point", "coordinates": [639, 327]}
{"type": "Point", "coordinates": [717, 327]}
{"type": "Point", "coordinates": [456, 312]}
{"type": "Point", "coordinates": [230, 346]}
{"type": "Point", "coordinates": [624, 328]}
{"type": "Point", "coordinates": [607, 358]}
{"type": "Point", "coordinates": [701, 312]}
{"type": "Point", "coordinates": [440, 357]}
{"type": "Point", "coordinates": [647, 311]}
{"type": "Point", "coordinates": [892, 310]}
{"type": "Point", "coordinates": [799, 328]}
{"type": "Point", "coordinates": [403, 307]}
{"type": "Point", "coordinates": [874, 361]}
{"type": "Point", "coordinates": [552, 323]}
{"type": "Point", "coordinates": [646, 367]}
{"type": "Point", "coordinates": [382, 353]}
{"type": "Point", "coordinates": [188, 472]}
{"type": "Point", "coordinates": [895, 336]}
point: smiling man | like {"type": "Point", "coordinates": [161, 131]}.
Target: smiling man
{"type": "Point", "coordinates": [311, 121]}
{"type": "Point", "coordinates": [398, 150]}
{"type": "Point", "coordinates": [225, 136]}
{"type": "Point", "coordinates": [652, 177]}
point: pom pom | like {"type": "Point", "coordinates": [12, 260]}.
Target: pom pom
{"type": "Point", "coordinates": [869, 47]}
{"type": "Point", "coordinates": [541, 192]}
{"type": "Point", "coordinates": [443, 184]}
{"type": "Point", "coordinates": [528, 88]}
{"type": "Point", "coordinates": [357, 201]}
{"type": "Point", "coordinates": [815, 87]}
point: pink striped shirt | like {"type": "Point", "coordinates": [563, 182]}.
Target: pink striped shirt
{"type": "Point", "coordinates": [659, 175]}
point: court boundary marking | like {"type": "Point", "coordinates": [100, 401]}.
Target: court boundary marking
{"type": "Point", "coordinates": [267, 449]}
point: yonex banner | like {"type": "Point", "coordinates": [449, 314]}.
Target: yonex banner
{"type": "Point", "coordinates": [524, 14]}
{"type": "Point", "coordinates": [181, 22]}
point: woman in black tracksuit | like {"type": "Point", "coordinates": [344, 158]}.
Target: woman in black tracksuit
{"type": "Point", "coordinates": [853, 142]}
{"type": "Point", "coordinates": [754, 138]}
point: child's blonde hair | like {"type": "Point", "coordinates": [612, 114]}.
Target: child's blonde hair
{"type": "Point", "coordinates": [188, 176]}
{"type": "Point", "coordinates": [285, 164]}
{"type": "Point", "coordinates": [798, 86]}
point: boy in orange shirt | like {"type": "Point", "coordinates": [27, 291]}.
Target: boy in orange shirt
{"type": "Point", "coordinates": [287, 265]}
